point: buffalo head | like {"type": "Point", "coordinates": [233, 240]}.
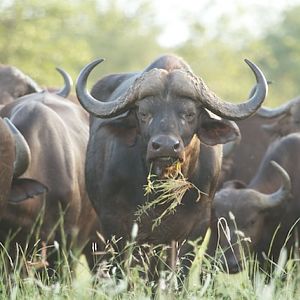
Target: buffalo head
{"type": "Point", "coordinates": [244, 216]}
{"type": "Point", "coordinates": [287, 118]}
{"type": "Point", "coordinates": [14, 83]}
{"type": "Point", "coordinates": [171, 107]}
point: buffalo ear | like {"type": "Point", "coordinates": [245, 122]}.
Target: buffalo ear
{"type": "Point", "coordinates": [213, 131]}
{"type": "Point", "coordinates": [24, 188]}
{"type": "Point", "coordinates": [125, 128]}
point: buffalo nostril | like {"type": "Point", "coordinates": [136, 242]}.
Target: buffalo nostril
{"type": "Point", "coordinates": [176, 145]}
{"type": "Point", "coordinates": [155, 145]}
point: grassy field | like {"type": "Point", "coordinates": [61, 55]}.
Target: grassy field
{"type": "Point", "coordinates": [214, 284]}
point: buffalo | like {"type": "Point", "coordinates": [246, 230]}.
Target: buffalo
{"type": "Point", "coordinates": [287, 118]}
{"type": "Point", "coordinates": [242, 157]}
{"type": "Point", "coordinates": [146, 122]}
{"type": "Point", "coordinates": [14, 83]}
{"type": "Point", "coordinates": [265, 213]}
{"type": "Point", "coordinates": [44, 139]}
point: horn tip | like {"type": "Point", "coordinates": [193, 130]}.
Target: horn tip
{"type": "Point", "coordinates": [98, 61]}
{"type": "Point", "coordinates": [275, 164]}
{"type": "Point", "coordinates": [92, 65]}
{"type": "Point", "coordinates": [281, 170]}
{"type": "Point", "coordinates": [248, 62]}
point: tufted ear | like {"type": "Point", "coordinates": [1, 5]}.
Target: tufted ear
{"type": "Point", "coordinates": [24, 188]}
{"type": "Point", "coordinates": [213, 131]}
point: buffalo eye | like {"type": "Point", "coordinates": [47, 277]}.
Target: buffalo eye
{"type": "Point", "coordinates": [144, 116]}
{"type": "Point", "coordinates": [189, 116]}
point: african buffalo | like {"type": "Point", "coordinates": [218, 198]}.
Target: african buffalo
{"type": "Point", "coordinates": [287, 118]}
{"type": "Point", "coordinates": [151, 120]}
{"type": "Point", "coordinates": [14, 84]}
{"type": "Point", "coordinates": [50, 135]}
{"type": "Point", "coordinates": [265, 219]}
{"type": "Point", "coordinates": [243, 157]}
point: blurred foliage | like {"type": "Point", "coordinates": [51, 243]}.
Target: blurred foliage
{"type": "Point", "coordinates": [36, 36]}
{"type": "Point", "coordinates": [282, 46]}
{"type": "Point", "coordinates": [218, 55]}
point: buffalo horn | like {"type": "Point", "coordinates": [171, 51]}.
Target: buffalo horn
{"type": "Point", "coordinates": [278, 111]}
{"type": "Point", "coordinates": [205, 96]}
{"type": "Point", "coordinates": [252, 92]}
{"type": "Point", "coordinates": [229, 110]}
{"type": "Point", "coordinates": [105, 109]}
{"type": "Point", "coordinates": [23, 156]}
{"type": "Point", "coordinates": [65, 91]}
{"type": "Point", "coordinates": [282, 193]}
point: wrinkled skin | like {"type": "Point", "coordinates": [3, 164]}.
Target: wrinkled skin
{"type": "Point", "coordinates": [164, 123]}
{"type": "Point", "coordinates": [259, 222]}
{"type": "Point", "coordinates": [56, 131]}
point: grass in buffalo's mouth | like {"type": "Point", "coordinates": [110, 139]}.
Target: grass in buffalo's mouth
{"type": "Point", "coordinates": [168, 192]}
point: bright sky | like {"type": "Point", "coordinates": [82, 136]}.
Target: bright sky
{"type": "Point", "coordinates": [175, 15]}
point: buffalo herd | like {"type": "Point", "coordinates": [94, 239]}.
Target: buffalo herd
{"type": "Point", "coordinates": [74, 168]}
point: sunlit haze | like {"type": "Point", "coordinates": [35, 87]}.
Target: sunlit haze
{"type": "Point", "coordinates": [176, 15]}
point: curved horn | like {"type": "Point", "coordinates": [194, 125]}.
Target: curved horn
{"type": "Point", "coordinates": [65, 91]}
{"type": "Point", "coordinates": [229, 110]}
{"type": "Point", "coordinates": [7, 157]}
{"type": "Point", "coordinates": [23, 156]}
{"type": "Point", "coordinates": [252, 92]}
{"type": "Point", "coordinates": [282, 193]}
{"type": "Point", "coordinates": [278, 111]}
{"type": "Point", "coordinates": [99, 108]}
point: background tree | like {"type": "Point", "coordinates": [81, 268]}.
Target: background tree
{"type": "Point", "coordinates": [282, 55]}
{"type": "Point", "coordinates": [36, 36]}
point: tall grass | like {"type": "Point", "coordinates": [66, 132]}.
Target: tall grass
{"type": "Point", "coordinates": [206, 278]}
{"type": "Point", "coordinates": [205, 281]}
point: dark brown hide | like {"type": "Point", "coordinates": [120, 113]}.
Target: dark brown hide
{"type": "Point", "coordinates": [155, 117]}
{"type": "Point", "coordinates": [56, 131]}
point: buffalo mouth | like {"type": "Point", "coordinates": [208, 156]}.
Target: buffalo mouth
{"type": "Point", "coordinates": [166, 166]}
